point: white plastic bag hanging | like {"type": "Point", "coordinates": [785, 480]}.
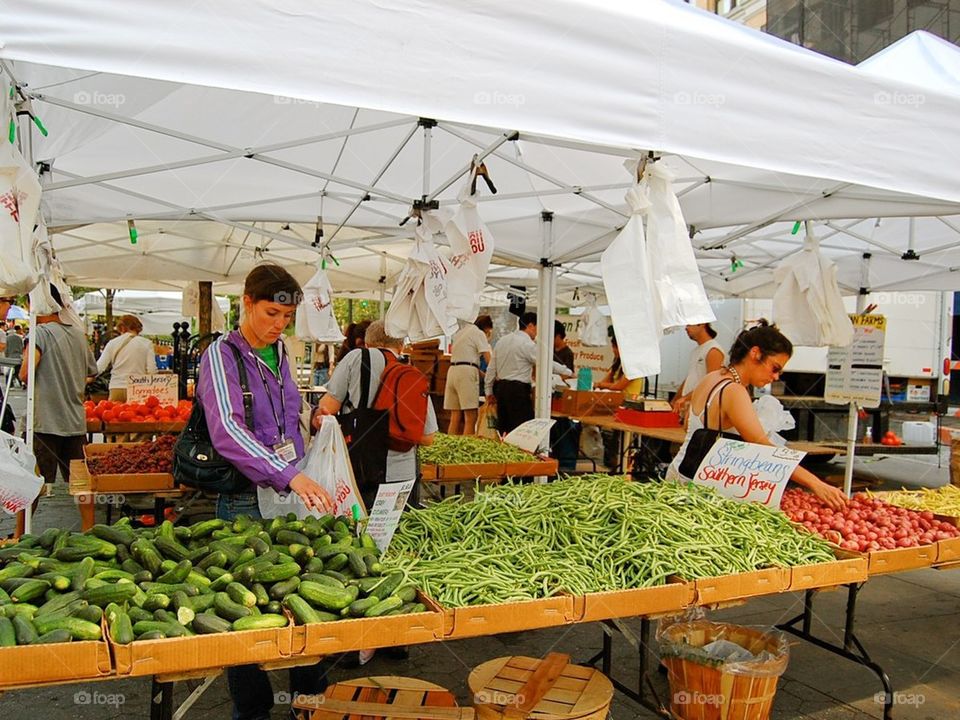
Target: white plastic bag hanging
{"type": "Point", "coordinates": [471, 246]}
{"type": "Point", "coordinates": [418, 309]}
{"type": "Point", "coordinates": [315, 319]}
{"type": "Point", "coordinates": [807, 304]}
{"type": "Point", "coordinates": [327, 462]}
{"type": "Point", "coordinates": [19, 208]}
{"type": "Point", "coordinates": [190, 307]}
{"type": "Point", "coordinates": [593, 325]}
{"type": "Point", "coordinates": [19, 483]}
{"type": "Point", "coordinates": [41, 297]}
{"type": "Point", "coordinates": [630, 292]}
{"type": "Point", "coordinates": [673, 265]}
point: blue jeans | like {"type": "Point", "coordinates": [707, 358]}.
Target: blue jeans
{"type": "Point", "coordinates": [249, 685]}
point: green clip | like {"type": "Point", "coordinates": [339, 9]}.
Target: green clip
{"type": "Point", "coordinates": [132, 229]}
{"type": "Point", "coordinates": [355, 510]}
{"type": "Point", "coordinates": [13, 131]}
{"type": "Point", "coordinates": [323, 264]}
{"type": "Point", "coordinates": [40, 127]}
{"type": "Point", "coordinates": [796, 228]}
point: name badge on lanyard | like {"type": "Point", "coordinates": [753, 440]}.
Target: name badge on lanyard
{"type": "Point", "coordinates": [286, 451]}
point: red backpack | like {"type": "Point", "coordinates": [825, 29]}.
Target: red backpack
{"type": "Point", "coordinates": [404, 393]}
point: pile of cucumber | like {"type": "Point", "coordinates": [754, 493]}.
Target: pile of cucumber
{"type": "Point", "coordinates": [211, 577]}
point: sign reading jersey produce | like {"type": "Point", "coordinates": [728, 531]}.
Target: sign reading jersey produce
{"type": "Point", "coordinates": [748, 472]}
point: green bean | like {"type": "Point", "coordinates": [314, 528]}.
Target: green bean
{"type": "Point", "coordinates": [469, 449]}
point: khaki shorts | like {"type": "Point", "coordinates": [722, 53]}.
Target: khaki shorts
{"type": "Point", "coordinates": [463, 388]}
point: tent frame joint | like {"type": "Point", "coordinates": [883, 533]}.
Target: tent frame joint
{"type": "Point", "coordinates": [427, 122]}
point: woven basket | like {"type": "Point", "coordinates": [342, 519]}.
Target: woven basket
{"type": "Point", "coordinates": [701, 691]}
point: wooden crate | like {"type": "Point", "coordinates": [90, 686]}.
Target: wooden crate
{"type": "Point", "coordinates": [515, 688]}
{"type": "Point", "coordinates": [383, 697]}
{"type": "Point", "coordinates": [129, 482]}
{"type": "Point", "coordinates": [584, 403]}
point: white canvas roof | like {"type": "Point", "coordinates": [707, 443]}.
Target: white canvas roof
{"type": "Point", "coordinates": [249, 114]}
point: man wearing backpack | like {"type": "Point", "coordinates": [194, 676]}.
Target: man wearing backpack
{"type": "Point", "coordinates": [400, 413]}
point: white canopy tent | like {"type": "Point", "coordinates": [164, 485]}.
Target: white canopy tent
{"type": "Point", "coordinates": [157, 310]}
{"type": "Point", "coordinates": [172, 124]}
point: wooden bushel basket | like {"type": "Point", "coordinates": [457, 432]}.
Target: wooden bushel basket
{"type": "Point", "coordinates": [700, 691]}
{"type": "Point", "coordinates": [517, 688]}
{"type": "Point", "coordinates": [382, 698]}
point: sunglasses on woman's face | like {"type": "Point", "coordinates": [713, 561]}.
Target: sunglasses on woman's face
{"type": "Point", "coordinates": [773, 367]}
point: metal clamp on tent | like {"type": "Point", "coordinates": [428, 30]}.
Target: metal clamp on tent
{"type": "Point", "coordinates": [325, 255]}
{"type": "Point", "coordinates": [419, 206]}
{"type": "Point", "coordinates": [479, 169]}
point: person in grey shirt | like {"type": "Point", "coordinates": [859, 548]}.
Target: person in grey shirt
{"type": "Point", "coordinates": [14, 348]}
{"type": "Point", "coordinates": [63, 364]}
{"type": "Point", "coordinates": [345, 382]}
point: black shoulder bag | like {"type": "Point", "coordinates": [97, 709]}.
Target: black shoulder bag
{"type": "Point", "coordinates": [704, 439]}
{"type": "Point", "coordinates": [196, 462]}
{"type": "Point", "coordinates": [367, 432]}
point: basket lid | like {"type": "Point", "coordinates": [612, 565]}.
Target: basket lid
{"type": "Point", "coordinates": [385, 696]}
{"type": "Point", "coordinates": [548, 689]}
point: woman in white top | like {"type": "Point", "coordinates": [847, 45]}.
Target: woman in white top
{"type": "Point", "coordinates": [722, 400]}
{"type": "Point", "coordinates": [127, 354]}
{"type": "Point", "coordinates": [706, 358]}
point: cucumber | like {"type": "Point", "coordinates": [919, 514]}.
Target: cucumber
{"type": "Point", "coordinates": [152, 635]}
{"type": "Point", "coordinates": [78, 629]}
{"type": "Point", "coordinates": [231, 549]}
{"type": "Point", "coordinates": [157, 601]}
{"type": "Point", "coordinates": [358, 607]}
{"type": "Point", "coordinates": [214, 571]}
{"type": "Point", "coordinates": [119, 593]}
{"type": "Point", "coordinates": [323, 579]}
{"type": "Point", "coordinates": [228, 609]}
{"type": "Point", "coordinates": [207, 624]}
{"type": "Point", "coordinates": [171, 549]}
{"type": "Point", "coordinates": [215, 558]}
{"type": "Point", "coordinates": [407, 593]}
{"type": "Point", "coordinates": [303, 554]}
{"type": "Point", "coordinates": [177, 574]}
{"type": "Point", "coordinates": [30, 590]}
{"type": "Point", "coordinates": [4, 597]}
{"type": "Point", "coordinates": [58, 603]}
{"type": "Point", "coordinates": [374, 566]}
{"type": "Point", "coordinates": [336, 575]}
{"type": "Point", "coordinates": [384, 606]}
{"type": "Point", "coordinates": [281, 589]}
{"type": "Point", "coordinates": [357, 566]}
{"type": "Point", "coordinates": [59, 635]}
{"type": "Point", "coordinates": [239, 594]}
{"type": "Point", "coordinates": [25, 631]}
{"type": "Point", "coordinates": [368, 583]}
{"type": "Point", "coordinates": [90, 613]}
{"type": "Point", "coordinates": [328, 598]}
{"type": "Point", "coordinates": [390, 583]}
{"type": "Point", "coordinates": [261, 592]}
{"type": "Point", "coordinates": [260, 622]}
{"type": "Point", "coordinates": [274, 607]}
{"type": "Point", "coordinates": [113, 534]}
{"type": "Point", "coordinates": [146, 553]}
{"type": "Point", "coordinates": [169, 629]}
{"type": "Point", "coordinates": [314, 565]}
{"type": "Point", "coordinates": [291, 537]}
{"type": "Point", "coordinates": [303, 613]}
{"type": "Point", "coordinates": [114, 575]}
{"type": "Point", "coordinates": [321, 542]}
{"type": "Point", "coordinates": [166, 530]}
{"type": "Point", "coordinates": [8, 636]}
{"type": "Point", "coordinates": [133, 567]}
{"type": "Point", "coordinates": [221, 582]}
{"type": "Point", "coordinates": [48, 537]}
{"type": "Point", "coordinates": [185, 615]}
{"type": "Point", "coordinates": [275, 573]}
{"type": "Point", "coordinates": [121, 628]}
{"type": "Point", "coordinates": [257, 544]}
{"type": "Point", "coordinates": [17, 570]}
{"type": "Point", "coordinates": [246, 556]}
{"type": "Point", "coordinates": [137, 614]}
{"type": "Point", "coordinates": [205, 528]}
{"type": "Point", "coordinates": [328, 551]}
{"type": "Point", "coordinates": [337, 562]}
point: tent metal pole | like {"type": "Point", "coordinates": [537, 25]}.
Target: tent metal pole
{"type": "Point", "coordinates": [852, 412]}
{"type": "Point", "coordinates": [505, 137]}
{"type": "Point", "coordinates": [946, 342]}
{"type": "Point", "coordinates": [566, 190]}
{"type": "Point", "coordinates": [546, 309]}
{"type": "Point", "coordinates": [383, 285]}
{"type": "Point", "coordinates": [864, 238]}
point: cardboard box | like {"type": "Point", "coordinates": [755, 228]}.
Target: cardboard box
{"type": "Point", "coordinates": [919, 391]}
{"type": "Point", "coordinates": [367, 633]}
{"type": "Point", "coordinates": [887, 561]}
{"type": "Point", "coordinates": [537, 466]}
{"type": "Point", "coordinates": [848, 568]}
{"type": "Point", "coordinates": [202, 652]}
{"type": "Point", "coordinates": [477, 620]}
{"type": "Point", "coordinates": [582, 403]}
{"type": "Point", "coordinates": [143, 482]}
{"type": "Point", "coordinates": [468, 471]}
{"type": "Point", "coordinates": [171, 427]}
{"type": "Point", "coordinates": [742, 585]}
{"type": "Point", "coordinates": [27, 665]}
{"type": "Point", "coordinates": [672, 597]}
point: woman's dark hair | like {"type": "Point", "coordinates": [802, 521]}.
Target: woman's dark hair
{"type": "Point", "coordinates": [764, 336]}
{"type": "Point", "coordinates": [710, 331]}
{"type": "Point", "coordinates": [615, 367]}
{"type": "Point", "coordinates": [484, 322]}
{"type": "Point", "coordinates": [354, 335]}
{"type": "Point", "coordinates": [272, 283]}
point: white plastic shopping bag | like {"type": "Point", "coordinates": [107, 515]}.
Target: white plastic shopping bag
{"type": "Point", "coordinates": [19, 483]}
{"type": "Point", "coordinates": [19, 207]}
{"type": "Point", "coordinates": [593, 325]}
{"type": "Point", "coordinates": [328, 463]}
{"type": "Point", "coordinates": [673, 266]}
{"type": "Point", "coordinates": [315, 319]}
{"type": "Point", "coordinates": [471, 246]}
{"type": "Point", "coordinates": [190, 307]}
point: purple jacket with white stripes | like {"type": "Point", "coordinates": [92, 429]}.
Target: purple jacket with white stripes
{"type": "Point", "coordinates": [218, 388]}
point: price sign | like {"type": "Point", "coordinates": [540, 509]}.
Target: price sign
{"type": "Point", "coordinates": [748, 472]}
{"type": "Point", "coordinates": [161, 386]}
{"type": "Point", "coordinates": [530, 435]}
{"type": "Point", "coordinates": [386, 511]}
{"type": "Point", "coordinates": [855, 372]}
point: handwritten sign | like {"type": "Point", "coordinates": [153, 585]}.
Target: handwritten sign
{"type": "Point", "coordinates": [162, 386]}
{"type": "Point", "coordinates": [748, 472]}
{"type": "Point", "coordinates": [530, 435]}
{"type": "Point", "coordinates": [855, 372]}
{"type": "Point", "coordinates": [386, 511]}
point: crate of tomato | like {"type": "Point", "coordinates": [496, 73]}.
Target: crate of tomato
{"type": "Point", "coordinates": [115, 467]}
{"type": "Point", "coordinates": [148, 416]}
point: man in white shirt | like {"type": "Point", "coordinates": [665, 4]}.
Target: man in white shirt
{"type": "Point", "coordinates": [510, 375]}
{"type": "Point", "coordinates": [706, 357]}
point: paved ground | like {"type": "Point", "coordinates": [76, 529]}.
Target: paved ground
{"type": "Point", "coordinates": [909, 622]}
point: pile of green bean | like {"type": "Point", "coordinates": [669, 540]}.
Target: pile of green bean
{"type": "Point", "coordinates": [589, 534]}
{"type": "Point", "coordinates": [468, 449]}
